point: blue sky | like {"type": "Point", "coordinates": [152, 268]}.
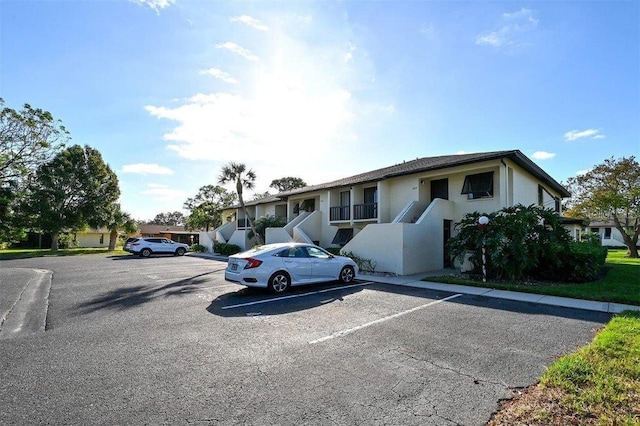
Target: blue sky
{"type": "Point", "coordinates": [171, 90]}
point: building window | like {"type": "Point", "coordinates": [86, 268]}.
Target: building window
{"type": "Point", "coordinates": [478, 186]}
{"type": "Point", "coordinates": [343, 236]}
{"type": "Point", "coordinates": [370, 195]}
{"type": "Point", "coordinates": [595, 230]}
{"type": "Point", "coordinates": [607, 233]}
{"type": "Point", "coordinates": [101, 239]}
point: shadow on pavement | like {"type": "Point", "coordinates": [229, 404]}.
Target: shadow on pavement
{"type": "Point", "coordinates": [128, 297]}
{"type": "Point", "coordinates": [248, 301]}
{"type": "Point", "coordinates": [251, 300]}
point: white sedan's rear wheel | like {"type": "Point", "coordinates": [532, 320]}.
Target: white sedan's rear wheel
{"type": "Point", "coordinates": [279, 282]}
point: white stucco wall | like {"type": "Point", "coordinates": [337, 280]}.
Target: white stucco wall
{"type": "Point", "coordinates": [277, 235]}
{"type": "Point", "coordinates": [241, 239]}
{"type": "Point", "coordinates": [405, 248]}
{"type": "Point", "coordinates": [92, 240]}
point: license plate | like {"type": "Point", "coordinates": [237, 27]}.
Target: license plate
{"type": "Point", "coordinates": [234, 266]}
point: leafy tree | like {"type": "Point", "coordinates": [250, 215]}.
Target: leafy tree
{"type": "Point", "coordinates": [28, 139]}
{"type": "Point", "coordinates": [610, 190]}
{"type": "Point", "coordinates": [168, 219]}
{"type": "Point", "coordinates": [237, 173]}
{"type": "Point", "coordinates": [287, 183]}
{"type": "Point", "coordinates": [206, 207]}
{"type": "Point", "coordinates": [261, 196]}
{"type": "Point", "coordinates": [76, 188]}
{"type": "Point", "coordinates": [264, 222]}
{"type": "Point", "coordinates": [119, 220]}
{"type": "Point", "coordinates": [10, 227]}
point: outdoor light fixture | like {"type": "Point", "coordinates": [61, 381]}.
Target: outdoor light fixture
{"type": "Point", "coordinates": [483, 221]}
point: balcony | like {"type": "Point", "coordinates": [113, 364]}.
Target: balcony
{"type": "Point", "coordinates": [365, 211]}
{"type": "Point", "coordinates": [339, 213]}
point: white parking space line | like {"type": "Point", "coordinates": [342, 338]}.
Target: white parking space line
{"type": "Point", "coordinates": [275, 299]}
{"type": "Point", "coordinates": [378, 321]}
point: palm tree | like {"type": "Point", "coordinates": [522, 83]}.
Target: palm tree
{"type": "Point", "coordinates": [243, 178]}
{"type": "Point", "coordinates": [119, 220]}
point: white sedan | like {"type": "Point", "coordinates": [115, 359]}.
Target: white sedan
{"type": "Point", "coordinates": [280, 266]}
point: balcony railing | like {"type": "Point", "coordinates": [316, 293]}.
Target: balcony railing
{"type": "Point", "coordinates": [365, 211]}
{"type": "Point", "coordinates": [339, 213]}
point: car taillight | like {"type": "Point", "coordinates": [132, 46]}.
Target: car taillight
{"type": "Point", "coordinates": [252, 263]}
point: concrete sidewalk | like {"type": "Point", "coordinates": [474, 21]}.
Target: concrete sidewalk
{"type": "Point", "coordinates": [24, 301]}
{"type": "Point", "coordinates": [565, 302]}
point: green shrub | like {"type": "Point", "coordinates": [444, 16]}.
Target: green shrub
{"type": "Point", "coordinates": [262, 223]}
{"type": "Point", "coordinates": [198, 248]}
{"type": "Point", "coordinates": [227, 249]}
{"type": "Point", "coordinates": [519, 240]}
{"type": "Point", "coordinates": [582, 262]}
{"type": "Point", "coordinates": [364, 265]}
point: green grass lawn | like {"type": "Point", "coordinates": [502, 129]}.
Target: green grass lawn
{"type": "Point", "coordinates": [28, 253]}
{"type": "Point", "coordinates": [621, 283]}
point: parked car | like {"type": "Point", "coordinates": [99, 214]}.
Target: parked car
{"type": "Point", "coordinates": [147, 246]}
{"type": "Point", "coordinates": [277, 267]}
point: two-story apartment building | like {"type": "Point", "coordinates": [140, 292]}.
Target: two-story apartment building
{"type": "Point", "coordinates": [400, 216]}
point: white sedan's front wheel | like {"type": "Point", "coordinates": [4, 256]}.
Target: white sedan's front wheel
{"type": "Point", "coordinates": [347, 274]}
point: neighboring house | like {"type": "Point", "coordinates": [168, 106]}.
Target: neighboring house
{"type": "Point", "coordinates": [91, 238]}
{"type": "Point", "coordinates": [608, 233]}
{"type": "Point", "coordinates": [576, 227]}
{"type": "Point", "coordinates": [400, 216]}
{"type": "Point", "coordinates": [175, 233]}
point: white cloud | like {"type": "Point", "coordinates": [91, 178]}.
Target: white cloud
{"type": "Point", "coordinates": [293, 110]}
{"type": "Point", "coordinates": [156, 5]}
{"type": "Point", "coordinates": [220, 75]}
{"type": "Point", "coordinates": [238, 50]}
{"type": "Point", "coordinates": [579, 134]}
{"type": "Point", "coordinates": [543, 155]}
{"type": "Point", "coordinates": [164, 194]}
{"type": "Point", "coordinates": [512, 29]}
{"type": "Point", "coordinates": [250, 21]}
{"type": "Point", "coordinates": [146, 169]}
{"type": "Point", "coordinates": [350, 49]}
{"type": "Point", "coordinates": [220, 126]}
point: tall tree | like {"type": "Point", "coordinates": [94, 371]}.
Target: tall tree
{"type": "Point", "coordinates": [76, 188]}
{"type": "Point", "coordinates": [261, 196]}
{"type": "Point", "coordinates": [610, 190]}
{"type": "Point", "coordinates": [237, 173]}
{"type": "Point", "coordinates": [206, 207]}
{"type": "Point", "coordinates": [119, 220]}
{"type": "Point", "coordinates": [287, 183]}
{"type": "Point", "coordinates": [28, 139]}
{"type": "Point", "coordinates": [168, 219]}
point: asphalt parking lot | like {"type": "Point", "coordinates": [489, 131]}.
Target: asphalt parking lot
{"type": "Point", "coordinates": [166, 340]}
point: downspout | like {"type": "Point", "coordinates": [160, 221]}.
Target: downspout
{"type": "Point", "coordinates": [506, 184]}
